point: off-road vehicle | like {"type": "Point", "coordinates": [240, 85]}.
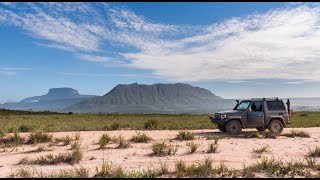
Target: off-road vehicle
{"type": "Point", "coordinates": [259, 113]}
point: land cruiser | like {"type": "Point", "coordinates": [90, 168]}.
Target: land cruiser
{"type": "Point", "coordinates": [259, 113]}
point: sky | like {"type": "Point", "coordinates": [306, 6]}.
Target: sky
{"type": "Point", "coordinates": [235, 50]}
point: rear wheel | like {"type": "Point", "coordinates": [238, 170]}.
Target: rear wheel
{"type": "Point", "coordinates": [222, 128]}
{"type": "Point", "coordinates": [261, 129]}
{"type": "Point", "coordinates": [234, 127]}
{"type": "Point", "coordinates": [275, 126]}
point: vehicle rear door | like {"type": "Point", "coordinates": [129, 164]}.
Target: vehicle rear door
{"type": "Point", "coordinates": [256, 114]}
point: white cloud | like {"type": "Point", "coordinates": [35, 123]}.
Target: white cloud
{"type": "Point", "coordinates": [94, 58]}
{"type": "Point", "coordinates": [282, 43]}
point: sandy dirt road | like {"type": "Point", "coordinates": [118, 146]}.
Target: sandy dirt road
{"type": "Point", "coordinates": [233, 151]}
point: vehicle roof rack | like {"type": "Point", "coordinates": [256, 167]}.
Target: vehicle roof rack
{"type": "Point", "coordinates": [269, 98]}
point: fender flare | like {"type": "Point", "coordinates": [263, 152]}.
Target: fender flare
{"type": "Point", "coordinates": [237, 118]}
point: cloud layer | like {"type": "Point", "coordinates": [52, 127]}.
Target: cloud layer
{"type": "Point", "coordinates": [282, 43]}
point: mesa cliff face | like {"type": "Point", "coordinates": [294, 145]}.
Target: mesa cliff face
{"type": "Point", "coordinates": [156, 98]}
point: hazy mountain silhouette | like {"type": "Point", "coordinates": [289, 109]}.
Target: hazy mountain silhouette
{"type": "Point", "coordinates": [56, 99]}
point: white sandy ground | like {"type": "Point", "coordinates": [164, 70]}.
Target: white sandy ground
{"type": "Point", "coordinates": [234, 152]}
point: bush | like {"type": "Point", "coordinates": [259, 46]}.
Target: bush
{"type": "Point", "coordinates": [151, 125]}
{"type": "Point", "coordinates": [294, 134]}
{"type": "Point", "coordinates": [162, 149]}
{"type": "Point", "coordinates": [73, 158]}
{"type": "Point", "coordinates": [25, 128]}
{"type": "Point", "coordinates": [39, 137]}
{"type": "Point", "coordinates": [185, 135]}
{"type": "Point", "coordinates": [123, 144]}
{"type": "Point", "coordinates": [12, 139]}
{"type": "Point", "coordinates": [75, 145]}
{"type": "Point", "coordinates": [140, 138]}
{"type": "Point", "coordinates": [315, 152]}
{"type": "Point", "coordinates": [104, 140]}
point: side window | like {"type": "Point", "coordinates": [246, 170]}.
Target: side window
{"type": "Point", "coordinates": [275, 106]}
{"type": "Point", "coordinates": [257, 106]}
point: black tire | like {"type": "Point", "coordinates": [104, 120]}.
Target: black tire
{"type": "Point", "coordinates": [222, 129]}
{"type": "Point", "coordinates": [275, 126]}
{"type": "Point", "coordinates": [234, 127]}
{"type": "Point", "coordinates": [261, 129]}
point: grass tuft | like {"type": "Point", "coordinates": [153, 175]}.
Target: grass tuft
{"type": "Point", "coordinates": [212, 147]}
{"type": "Point", "coordinates": [315, 153]}
{"type": "Point", "coordinates": [122, 143]}
{"type": "Point", "coordinates": [104, 140]}
{"type": "Point", "coordinates": [39, 137]}
{"type": "Point", "coordinates": [193, 147]}
{"type": "Point", "coordinates": [140, 138]}
{"type": "Point", "coordinates": [162, 149]}
{"type": "Point", "coordinates": [185, 135]}
{"type": "Point", "coordinates": [294, 134]}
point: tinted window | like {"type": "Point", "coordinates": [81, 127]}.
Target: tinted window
{"type": "Point", "coordinates": [256, 106]}
{"type": "Point", "coordinates": [243, 105]}
{"type": "Point", "coordinates": [275, 106]}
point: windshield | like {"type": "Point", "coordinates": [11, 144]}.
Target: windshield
{"type": "Point", "coordinates": [243, 105]}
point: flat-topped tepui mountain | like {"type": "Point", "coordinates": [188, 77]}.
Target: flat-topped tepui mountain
{"type": "Point", "coordinates": [156, 98]}
{"type": "Point", "coordinates": [56, 99]}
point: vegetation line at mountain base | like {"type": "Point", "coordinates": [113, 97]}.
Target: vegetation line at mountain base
{"type": "Point", "coordinates": [101, 122]}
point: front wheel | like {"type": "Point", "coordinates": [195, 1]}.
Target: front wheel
{"type": "Point", "coordinates": [234, 127]}
{"type": "Point", "coordinates": [275, 126]}
{"type": "Point", "coordinates": [222, 129]}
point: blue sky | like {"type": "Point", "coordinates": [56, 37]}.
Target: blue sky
{"type": "Point", "coordinates": [236, 50]}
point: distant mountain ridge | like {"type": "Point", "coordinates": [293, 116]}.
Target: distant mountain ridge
{"type": "Point", "coordinates": [156, 98]}
{"type": "Point", "coordinates": [56, 99]}
{"type": "Point", "coordinates": [141, 98]}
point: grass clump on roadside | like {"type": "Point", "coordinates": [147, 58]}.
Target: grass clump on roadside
{"type": "Point", "coordinates": [40, 148]}
{"type": "Point", "coordinates": [199, 170]}
{"type": "Point", "coordinates": [261, 150]}
{"type": "Point", "coordinates": [65, 140]}
{"type": "Point", "coordinates": [185, 135]}
{"type": "Point", "coordinates": [104, 140]}
{"type": "Point", "coordinates": [193, 147]}
{"type": "Point", "coordinates": [77, 173]}
{"type": "Point", "coordinates": [315, 153]}
{"type": "Point", "coordinates": [70, 158]}
{"type": "Point", "coordinates": [39, 137]}
{"type": "Point", "coordinates": [14, 139]}
{"type": "Point", "coordinates": [140, 138]}
{"type": "Point", "coordinates": [295, 133]}
{"type": "Point", "coordinates": [122, 143]}
{"type": "Point", "coordinates": [212, 147]}
{"type": "Point", "coordinates": [273, 168]}
{"type": "Point", "coordinates": [162, 149]}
